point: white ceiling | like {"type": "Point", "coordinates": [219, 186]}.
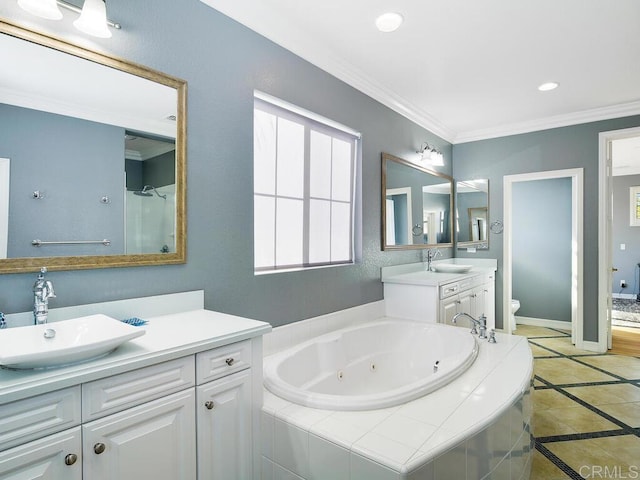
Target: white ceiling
{"type": "Point", "coordinates": [465, 69]}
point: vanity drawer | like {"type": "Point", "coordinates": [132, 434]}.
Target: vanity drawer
{"type": "Point", "coordinates": [114, 394]}
{"type": "Point", "coordinates": [29, 419]}
{"type": "Point", "coordinates": [222, 361]}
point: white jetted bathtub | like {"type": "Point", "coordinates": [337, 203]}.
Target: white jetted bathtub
{"type": "Point", "coordinates": [374, 365]}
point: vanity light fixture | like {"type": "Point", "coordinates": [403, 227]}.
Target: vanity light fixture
{"type": "Point", "coordinates": [389, 22]}
{"type": "Point", "coordinates": [431, 155]}
{"type": "Point", "coordinates": [548, 86]}
{"type": "Point", "coordinates": [93, 15]}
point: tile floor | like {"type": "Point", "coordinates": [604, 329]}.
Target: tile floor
{"type": "Point", "coordinates": [586, 410]}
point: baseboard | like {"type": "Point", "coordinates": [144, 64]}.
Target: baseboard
{"type": "Point", "coordinates": [627, 296]}
{"type": "Point", "coordinates": [542, 322]}
{"type": "Point", "coordinates": [594, 346]}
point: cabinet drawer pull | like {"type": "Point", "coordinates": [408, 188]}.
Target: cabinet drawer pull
{"type": "Point", "coordinates": [209, 405]}
{"type": "Point", "coordinates": [70, 459]}
{"type": "Point", "coordinates": [99, 448]}
{"type": "Point", "coordinates": [229, 361]}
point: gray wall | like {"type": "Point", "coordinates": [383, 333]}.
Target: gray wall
{"type": "Point", "coordinates": [62, 157]}
{"type": "Point", "coordinates": [559, 148]}
{"type": "Point", "coordinates": [541, 248]}
{"type": "Point", "coordinates": [223, 63]}
{"type": "Point", "coordinates": [626, 261]}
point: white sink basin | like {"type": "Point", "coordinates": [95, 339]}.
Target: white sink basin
{"type": "Point", "coordinates": [450, 267]}
{"type": "Point", "coordinates": [63, 343]}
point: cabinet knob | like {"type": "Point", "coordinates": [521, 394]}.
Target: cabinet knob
{"type": "Point", "coordinates": [70, 459]}
{"type": "Point", "coordinates": [209, 405]}
{"type": "Point", "coordinates": [229, 361]}
{"type": "Point", "coordinates": [99, 448]}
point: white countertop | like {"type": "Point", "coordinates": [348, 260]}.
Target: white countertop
{"type": "Point", "coordinates": [415, 273]}
{"type": "Point", "coordinates": [167, 337]}
{"type": "Point", "coordinates": [409, 435]}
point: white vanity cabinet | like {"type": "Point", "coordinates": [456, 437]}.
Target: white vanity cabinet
{"type": "Point", "coordinates": [437, 297]}
{"type": "Point", "coordinates": [474, 295]}
{"type": "Point", "coordinates": [190, 418]}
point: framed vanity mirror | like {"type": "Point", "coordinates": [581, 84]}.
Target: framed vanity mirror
{"type": "Point", "coordinates": [472, 213]}
{"type": "Point", "coordinates": [416, 206]}
{"type": "Point", "coordinates": [92, 158]}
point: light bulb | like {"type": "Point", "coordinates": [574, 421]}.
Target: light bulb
{"type": "Point", "coordinates": [42, 8]}
{"type": "Point", "coordinates": [93, 19]}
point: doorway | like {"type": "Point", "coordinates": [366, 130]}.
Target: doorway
{"type": "Point", "coordinates": [605, 239]}
{"type": "Point", "coordinates": [575, 250]}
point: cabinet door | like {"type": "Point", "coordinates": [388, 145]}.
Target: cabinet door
{"type": "Point", "coordinates": [54, 457]}
{"type": "Point", "coordinates": [224, 428]}
{"type": "Point", "coordinates": [489, 300]}
{"type": "Point", "coordinates": [448, 308]}
{"type": "Point", "coordinates": [153, 440]}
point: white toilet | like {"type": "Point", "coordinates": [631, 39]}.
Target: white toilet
{"type": "Point", "coordinates": [515, 305]}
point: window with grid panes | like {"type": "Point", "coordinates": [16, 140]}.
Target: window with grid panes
{"type": "Point", "coordinates": [304, 187]}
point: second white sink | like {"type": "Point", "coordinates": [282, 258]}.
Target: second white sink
{"type": "Point", "coordinates": [63, 343]}
{"type": "Point", "coordinates": [450, 267]}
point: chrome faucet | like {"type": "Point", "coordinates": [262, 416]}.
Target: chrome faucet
{"type": "Point", "coordinates": [42, 292]}
{"type": "Point", "coordinates": [431, 254]}
{"type": "Point", "coordinates": [480, 323]}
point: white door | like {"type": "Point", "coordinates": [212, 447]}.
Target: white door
{"type": "Point", "coordinates": [155, 440]}
{"type": "Point", "coordinates": [224, 428]}
{"type": "Point", "coordinates": [54, 457]}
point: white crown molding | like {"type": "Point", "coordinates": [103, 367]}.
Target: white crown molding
{"type": "Point", "coordinates": [576, 118]}
{"type": "Point", "coordinates": [263, 22]}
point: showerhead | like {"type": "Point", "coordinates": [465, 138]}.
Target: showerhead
{"type": "Point", "coordinates": [147, 191]}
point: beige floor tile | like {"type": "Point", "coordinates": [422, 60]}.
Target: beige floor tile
{"type": "Point", "coordinates": [582, 455]}
{"type": "Point", "coordinates": [565, 371]}
{"type": "Point", "coordinates": [564, 421]}
{"type": "Point", "coordinates": [531, 331]}
{"type": "Point", "coordinates": [546, 399]}
{"type": "Point", "coordinates": [626, 367]}
{"type": "Point", "coordinates": [543, 469]}
{"type": "Point", "coordinates": [606, 394]}
{"type": "Point", "coordinates": [625, 448]}
{"type": "Point", "coordinates": [628, 413]}
{"type": "Point", "coordinates": [541, 352]}
{"type": "Point", "coordinates": [562, 345]}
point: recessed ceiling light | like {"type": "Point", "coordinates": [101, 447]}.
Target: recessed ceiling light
{"type": "Point", "coordinates": [545, 87]}
{"type": "Point", "coordinates": [388, 22]}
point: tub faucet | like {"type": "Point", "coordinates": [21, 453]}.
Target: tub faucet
{"type": "Point", "coordinates": [480, 323]}
{"type": "Point", "coordinates": [431, 254]}
{"type": "Point", "coordinates": [42, 292]}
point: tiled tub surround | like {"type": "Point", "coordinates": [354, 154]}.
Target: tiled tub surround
{"type": "Point", "coordinates": [476, 427]}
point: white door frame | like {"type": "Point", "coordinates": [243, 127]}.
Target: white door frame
{"type": "Point", "coordinates": [407, 192]}
{"type": "Point", "coordinates": [4, 205]}
{"type": "Point", "coordinates": [577, 208]}
{"type": "Point", "coordinates": [605, 228]}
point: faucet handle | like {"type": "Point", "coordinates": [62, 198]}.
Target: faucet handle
{"type": "Point", "coordinates": [492, 336]}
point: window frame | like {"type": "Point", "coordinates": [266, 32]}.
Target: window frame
{"type": "Point", "coordinates": [310, 122]}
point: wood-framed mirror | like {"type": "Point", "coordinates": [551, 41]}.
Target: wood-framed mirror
{"type": "Point", "coordinates": [417, 206]}
{"type": "Point", "coordinates": [472, 213]}
{"type": "Point", "coordinates": [92, 158]}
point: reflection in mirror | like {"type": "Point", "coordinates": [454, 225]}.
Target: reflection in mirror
{"type": "Point", "coordinates": [472, 213]}
{"type": "Point", "coordinates": [95, 155]}
{"type": "Point", "coordinates": [416, 205]}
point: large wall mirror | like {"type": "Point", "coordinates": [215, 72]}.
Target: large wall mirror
{"type": "Point", "coordinates": [92, 158]}
{"type": "Point", "coordinates": [472, 213]}
{"type": "Point", "coordinates": [416, 206]}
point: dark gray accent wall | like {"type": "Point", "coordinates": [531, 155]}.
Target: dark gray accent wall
{"type": "Point", "coordinates": [541, 248]}
{"type": "Point", "coordinates": [559, 148]}
{"type": "Point", "coordinates": [223, 63]}
{"type": "Point", "coordinates": [626, 261]}
{"type": "Point", "coordinates": [65, 159]}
